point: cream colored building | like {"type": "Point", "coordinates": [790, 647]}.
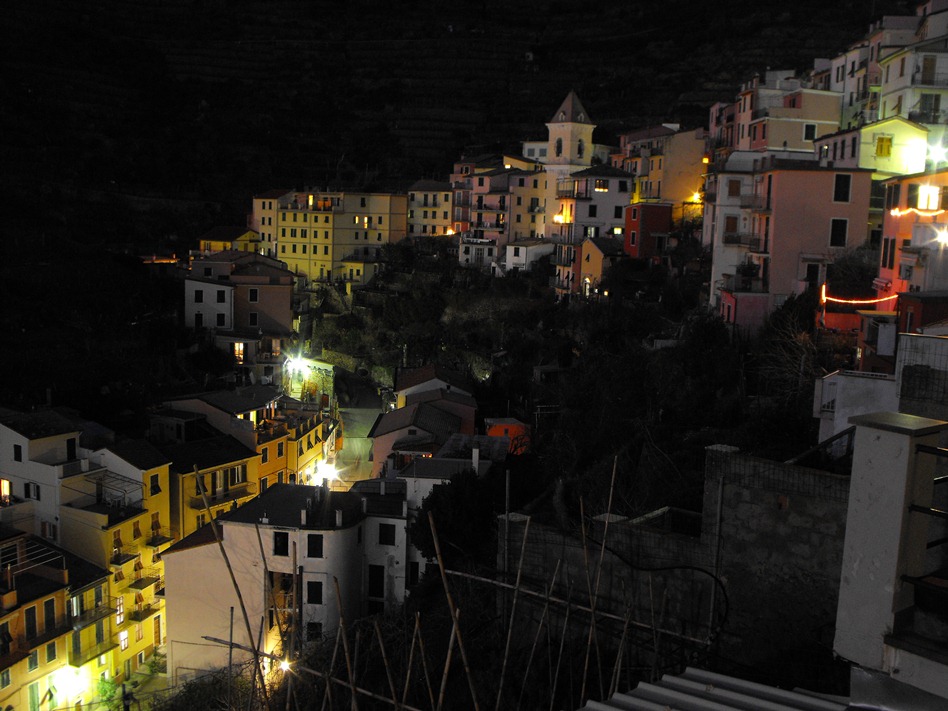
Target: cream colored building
{"type": "Point", "coordinates": [430, 208]}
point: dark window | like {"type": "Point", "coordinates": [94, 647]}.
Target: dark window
{"type": "Point", "coordinates": [265, 455]}
{"type": "Point", "coordinates": [412, 573]}
{"type": "Point", "coordinates": [254, 295]}
{"type": "Point", "coordinates": [809, 131]}
{"type": "Point", "coordinates": [386, 534]}
{"type": "Point", "coordinates": [617, 212]}
{"type": "Point", "coordinates": [314, 592]}
{"type": "Point", "coordinates": [592, 210]}
{"type": "Point", "coordinates": [912, 195]}
{"type": "Point", "coordinates": [198, 296]}
{"type": "Point", "coordinates": [253, 318]}
{"type": "Point", "coordinates": [50, 652]}
{"type": "Point", "coordinates": [281, 543]}
{"type": "Point", "coordinates": [838, 229]}
{"type": "Point", "coordinates": [376, 581]}
{"type": "Point", "coordinates": [220, 320]}
{"type": "Point", "coordinates": [30, 623]}
{"type": "Point", "coordinates": [841, 188]}
{"type": "Point", "coordinates": [221, 296]}
{"type": "Point", "coordinates": [314, 545]}
{"type": "Point", "coordinates": [49, 614]}
{"type": "Point", "coordinates": [17, 453]}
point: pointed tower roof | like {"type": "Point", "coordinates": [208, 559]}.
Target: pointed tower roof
{"type": "Point", "coordinates": [571, 111]}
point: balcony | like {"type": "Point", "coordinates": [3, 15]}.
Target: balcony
{"type": "Point", "coordinates": [86, 653]}
{"type": "Point", "coordinates": [147, 578]}
{"type": "Point", "coordinates": [564, 260]}
{"type": "Point", "coordinates": [267, 431]}
{"type": "Point", "coordinates": [537, 208]}
{"type": "Point", "coordinates": [560, 284]}
{"type": "Point", "coordinates": [930, 79]}
{"type": "Point", "coordinates": [929, 117]}
{"type": "Point", "coordinates": [123, 554]}
{"type": "Point", "coordinates": [159, 537]}
{"type": "Point", "coordinates": [88, 617]}
{"type": "Point", "coordinates": [142, 612]}
{"type": "Point", "coordinates": [737, 283]}
{"type": "Point", "coordinates": [748, 200]}
{"type": "Point", "coordinates": [233, 493]}
{"type": "Point", "coordinates": [743, 240]}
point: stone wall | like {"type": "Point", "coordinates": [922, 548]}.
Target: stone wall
{"type": "Point", "coordinates": [761, 580]}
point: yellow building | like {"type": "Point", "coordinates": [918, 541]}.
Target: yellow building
{"type": "Point", "coordinates": [118, 517]}
{"type": "Point", "coordinates": [56, 634]}
{"type": "Point", "coordinates": [221, 239]}
{"type": "Point", "coordinates": [430, 208]}
{"type": "Point", "coordinates": [338, 236]}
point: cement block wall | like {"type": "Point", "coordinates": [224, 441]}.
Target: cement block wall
{"type": "Point", "coordinates": [777, 553]}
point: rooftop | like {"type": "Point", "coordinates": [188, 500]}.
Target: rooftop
{"type": "Point", "coordinates": [39, 424]}
{"type": "Point", "coordinates": [206, 454]}
{"type": "Point", "coordinates": [410, 377]}
{"type": "Point", "coordinates": [420, 415]}
{"type": "Point", "coordinates": [281, 505]}
{"type": "Point", "coordinates": [140, 453]}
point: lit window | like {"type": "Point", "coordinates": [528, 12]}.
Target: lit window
{"type": "Point", "coordinates": [32, 663]}
{"type": "Point", "coordinates": [883, 146]}
{"type": "Point", "coordinates": [123, 640]}
{"type": "Point", "coordinates": [602, 185]}
{"type": "Point", "coordinates": [929, 197]}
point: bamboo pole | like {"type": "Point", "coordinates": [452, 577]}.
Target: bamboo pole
{"type": "Point", "coordinates": [233, 579]}
{"type": "Point", "coordinates": [270, 593]}
{"type": "Point", "coordinates": [388, 670]}
{"type": "Point", "coordinates": [454, 611]}
{"type": "Point", "coordinates": [576, 605]}
{"type": "Point", "coordinates": [321, 675]}
{"type": "Point", "coordinates": [327, 695]}
{"type": "Point", "coordinates": [559, 656]}
{"type": "Point", "coordinates": [513, 610]}
{"type": "Point", "coordinates": [345, 644]}
{"type": "Point", "coordinates": [424, 661]}
{"type": "Point", "coordinates": [540, 627]}
{"type": "Point", "coordinates": [447, 665]}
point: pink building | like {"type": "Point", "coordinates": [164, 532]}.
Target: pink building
{"type": "Point", "coordinates": [800, 217]}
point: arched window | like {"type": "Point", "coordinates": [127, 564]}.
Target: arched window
{"type": "Point", "coordinates": [559, 146]}
{"type": "Point", "coordinates": [580, 148]}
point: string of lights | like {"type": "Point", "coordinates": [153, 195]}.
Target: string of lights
{"type": "Point", "coordinates": [824, 297]}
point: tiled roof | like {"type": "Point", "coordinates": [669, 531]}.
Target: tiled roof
{"type": "Point", "coordinates": [246, 399]}
{"type": "Point", "coordinates": [601, 171]}
{"type": "Point", "coordinates": [281, 504]}
{"type": "Point", "coordinates": [206, 453]}
{"type": "Point", "coordinates": [608, 246]}
{"type": "Point", "coordinates": [202, 537]}
{"type": "Point", "coordinates": [224, 233]}
{"type": "Point", "coordinates": [573, 108]}
{"type": "Point", "coordinates": [140, 453]}
{"type": "Point", "coordinates": [410, 377]}
{"type": "Point", "coordinates": [422, 416]}
{"type": "Point", "coordinates": [699, 690]}
{"type": "Point", "coordinates": [39, 424]}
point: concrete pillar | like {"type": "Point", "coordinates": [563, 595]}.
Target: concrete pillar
{"type": "Point", "coordinates": [884, 540]}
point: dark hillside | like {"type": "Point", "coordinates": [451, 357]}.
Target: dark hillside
{"type": "Point", "coordinates": [144, 123]}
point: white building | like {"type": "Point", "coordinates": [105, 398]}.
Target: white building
{"type": "Point", "coordinates": [287, 549]}
{"type": "Point", "coordinates": [208, 303]}
{"type": "Point", "coordinates": [523, 254]}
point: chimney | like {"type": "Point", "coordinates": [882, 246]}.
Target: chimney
{"type": "Point", "coordinates": [303, 516]}
{"type": "Point", "coordinates": [382, 487]}
{"type": "Point", "coordinates": [475, 459]}
{"type": "Point", "coordinates": [338, 518]}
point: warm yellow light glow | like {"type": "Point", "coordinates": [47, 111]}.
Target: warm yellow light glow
{"type": "Point", "coordinates": [325, 470]}
{"type": "Point", "coordinates": [507, 166]}
{"type": "Point", "coordinates": [859, 302]}
{"type": "Point", "coordinates": [449, 232]}
{"type": "Point", "coordinates": [941, 236]}
{"type": "Point", "coordinates": [284, 666]}
{"type": "Point", "coordinates": [896, 212]}
{"type": "Point", "coordinates": [558, 219]}
{"type": "Point", "coordinates": [311, 201]}
{"type": "Point", "coordinates": [705, 159]}
{"type": "Point", "coordinates": [929, 197]}
{"type": "Point", "coordinates": [938, 154]}
{"type": "Point", "coordinates": [696, 197]}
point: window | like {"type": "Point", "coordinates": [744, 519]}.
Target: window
{"type": "Point", "coordinates": [199, 296]}
{"type": "Point", "coordinates": [49, 614]}
{"type": "Point", "coordinates": [5, 679]}
{"type": "Point", "coordinates": [119, 609]}
{"type": "Point", "coordinates": [314, 592]}
{"type": "Point", "coordinates": [254, 295]}
{"type": "Point", "coordinates": [314, 545]}
{"type": "Point", "coordinates": [558, 147]}
{"type": "Point", "coordinates": [929, 197]}
{"type": "Point", "coordinates": [31, 490]}
{"type": "Point", "coordinates": [842, 187]}
{"type": "Point", "coordinates": [221, 296]}
{"type": "Point", "coordinates": [593, 209]}
{"type": "Point", "coordinates": [123, 640]}
{"type": "Point", "coordinates": [281, 543]}
{"type": "Point", "coordinates": [602, 185]}
{"type": "Point", "coordinates": [136, 530]}
{"type": "Point", "coordinates": [883, 146]}
{"type": "Point", "coordinates": [853, 146]}
{"type": "Point", "coordinates": [632, 238]}
{"type": "Point", "coordinates": [32, 662]}
{"type": "Point", "coordinates": [733, 189]}
{"type": "Point", "coordinates": [265, 455]}
{"type": "Point", "coordinates": [516, 251]}
{"type": "Point", "coordinates": [198, 320]}
{"type": "Point", "coordinates": [809, 131]}
{"type": "Point", "coordinates": [139, 633]}
{"type": "Point", "coordinates": [376, 581]}
{"type": "Point", "coordinates": [412, 573]}
{"type": "Point", "coordinates": [154, 486]}
{"type": "Point", "coordinates": [279, 450]}
{"type": "Point", "coordinates": [17, 453]}
{"type": "Point", "coordinates": [253, 318]}
{"type": "Point", "coordinates": [201, 520]}
{"type": "Point", "coordinates": [386, 534]}
{"type": "Point", "coordinates": [838, 229]}
{"type": "Point", "coordinates": [221, 320]}
{"type": "Point", "coordinates": [580, 148]}
{"type": "Point", "coordinates": [50, 652]}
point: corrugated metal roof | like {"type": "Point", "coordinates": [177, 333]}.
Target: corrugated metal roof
{"type": "Point", "coordinates": [699, 690]}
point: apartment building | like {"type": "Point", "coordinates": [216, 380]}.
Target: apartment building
{"type": "Point", "coordinates": [430, 208]}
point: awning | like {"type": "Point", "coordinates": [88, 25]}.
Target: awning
{"type": "Point", "coordinates": [880, 284]}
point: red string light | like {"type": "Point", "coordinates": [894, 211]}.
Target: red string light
{"type": "Point", "coordinates": [859, 302]}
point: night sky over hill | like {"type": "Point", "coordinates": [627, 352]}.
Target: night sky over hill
{"type": "Point", "coordinates": [144, 124]}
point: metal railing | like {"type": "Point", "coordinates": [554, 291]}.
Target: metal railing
{"type": "Point", "coordinates": [231, 493]}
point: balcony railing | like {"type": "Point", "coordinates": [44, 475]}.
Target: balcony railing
{"type": "Point", "coordinates": [929, 117]}
{"type": "Point", "coordinates": [142, 612]}
{"type": "Point", "coordinates": [123, 554]}
{"type": "Point", "coordinates": [744, 284]}
{"type": "Point", "coordinates": [147, 577]}
{"type": "Point", "coordinates": [159, 537]}
{"type": "Point", "coordinates": [91, 616]}
{"type": "Point", "coordinates": [929, 79]}
{"type": "Point", "coordinates": [741, 239]}
{"type": "Point", "coordinates": [748, 200]}
{"type": "Point", "coordinates": [86, 653]}
{"type": "Point", "coordinates": [234, 492]}
{"type": "Point", "coordinates": [560, 284]}
{"type": "Point", "coordinates": [563, 260]}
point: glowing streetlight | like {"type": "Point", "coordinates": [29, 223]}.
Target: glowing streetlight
{"type": "Point", "coordinates": [284, 666]}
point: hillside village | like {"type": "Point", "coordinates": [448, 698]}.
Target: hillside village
{"type": "Point", "coordinates": [675, 405]}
